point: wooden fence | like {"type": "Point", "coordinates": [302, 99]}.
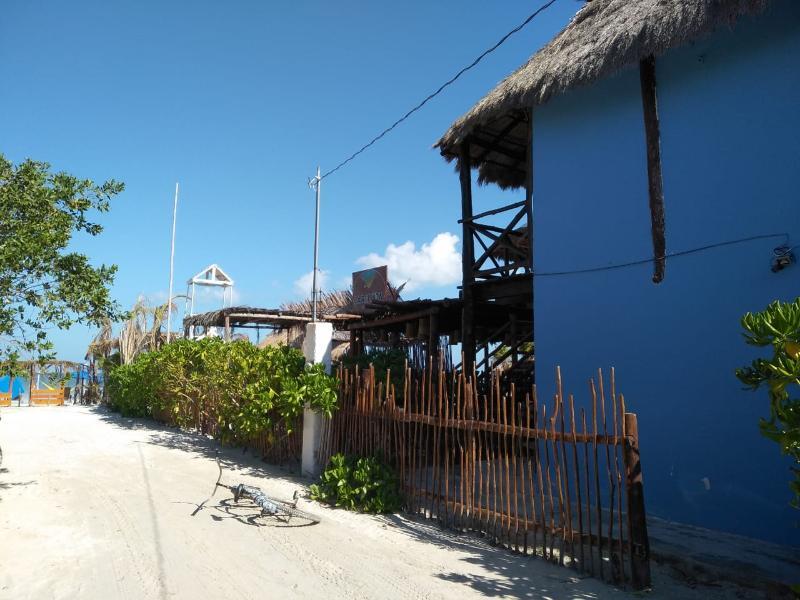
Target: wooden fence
{"type": "Point", "coordinates": [5, 398]}
{"type": "Point", "coordinates": [557, 482]}
{"type": "Point", "coordinates": [53, 397]}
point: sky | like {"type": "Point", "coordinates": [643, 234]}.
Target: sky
{"type": "Point", "coordinates": [240, 102]}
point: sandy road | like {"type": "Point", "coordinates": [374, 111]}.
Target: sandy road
{"type": "Point", "coordinates": [100, 507]}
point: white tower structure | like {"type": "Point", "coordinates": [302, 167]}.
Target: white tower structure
{"type": "Point", "coordinates": [211, 276]}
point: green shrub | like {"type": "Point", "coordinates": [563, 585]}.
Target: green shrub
{"type": "Point", "coordinates": [382, 360]}
{"type": "Point", "coordinates": [778, 327]}
{"type": "Point", "coordinates": [132, 388]}
{"type": "Point", "coordinates": [244, 388]}
{"type": "Point", "coordinates": [362, 484]}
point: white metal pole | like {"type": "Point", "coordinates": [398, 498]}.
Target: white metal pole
{"type": "Point", "coordinates": [191, 312]}
{"type": "Point", "coordinates": [172, 263]}
{"type": "Point", "coordinates": [314, 291]}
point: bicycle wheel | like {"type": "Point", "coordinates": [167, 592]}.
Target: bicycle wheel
{"type": "Point", "coordinates": [290, 512]}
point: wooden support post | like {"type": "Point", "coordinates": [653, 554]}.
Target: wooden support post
{"type": "Point", "coordinates": [529, 213]}
{"type": "Point", "coordinates": [467, 259]}
{"type": "Point", "coordinates": [433, 340]}
{"type": "Point", "coordinates": [31, 386]}
{"type": "Point", "coordinates": [638, 544]}
{"type": "Point", "coordinates": [513, 342]}
{"type": "Point", "coordinates": [529, 188]}
{"type": "Point", "coordinates": [647, 74]}
{"type": "Point", "coordinates": [227, 329]}
{"type": "Point", "coordinates": [353, 350]}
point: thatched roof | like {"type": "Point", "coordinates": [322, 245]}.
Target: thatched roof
{"type": "Point", "coordinates": [244, 315]}
{"type": "Point", "coordinates": [328, 303]}
{"type": "Point", "coordinates": [604, 37]}
{"type": "Point", "coordinates": [338, 302]}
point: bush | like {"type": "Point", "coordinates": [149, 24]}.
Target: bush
{"type": "Point", "coordinates": [382, 360]}
{"type": "Point", "coordinates": [132, 388]}
{"type": "Point", "coordinates": [244, 388]}
{"type": "Point", "coordinates": [778, 327]}
{"type": "Point", "coordinates": [361, 484]}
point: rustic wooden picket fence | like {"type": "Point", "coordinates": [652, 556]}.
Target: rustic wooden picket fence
{"type": "Point", "coordinates": [548, 482]}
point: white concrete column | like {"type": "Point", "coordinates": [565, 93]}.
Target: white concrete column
{"type": "Point", "coordinates": [316, 349]}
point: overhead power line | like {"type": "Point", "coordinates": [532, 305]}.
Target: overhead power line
{"type": "Point", "coordinates": [447, 83]}
{"type": "Point", "coordinates": [645, 261]}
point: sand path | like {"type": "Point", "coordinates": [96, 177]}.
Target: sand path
{"type": "Point", "coordinates": [94, 506]}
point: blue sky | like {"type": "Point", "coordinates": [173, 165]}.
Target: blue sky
{"type": "Point", "coordinates": [239, 102]}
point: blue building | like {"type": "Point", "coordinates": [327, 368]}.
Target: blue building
{"type": "Point", "coordinates": [658, 146]}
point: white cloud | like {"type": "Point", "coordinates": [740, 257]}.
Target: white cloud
{"type": "Point", "coordinates": [303, 285]}
{"type": "Point", "coordinates": [437, 263]}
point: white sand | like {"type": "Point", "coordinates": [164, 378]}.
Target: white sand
{"type": "Point", "coordinates": [93, 506]}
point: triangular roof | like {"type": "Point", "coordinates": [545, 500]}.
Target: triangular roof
{"type": "Point", "coordinates": [211, 275]}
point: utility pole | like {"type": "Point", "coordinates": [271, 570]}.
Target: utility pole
{"type": "Point", "coordinates": [317, 350]}
{"type": "Point", "coordinates": [172, 263]}
{"type": "Point", "coordinates": [315, 183]}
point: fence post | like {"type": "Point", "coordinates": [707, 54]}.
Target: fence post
{"type": "Point", "coordinates": [638, 544]}
{"type": "Point", "coordinates": [316, 349]}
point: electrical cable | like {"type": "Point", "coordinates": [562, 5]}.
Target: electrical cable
{"type": "Point", "coordinates": [668, 255]}
{"type": "Point", "coordinates": [450, 81]}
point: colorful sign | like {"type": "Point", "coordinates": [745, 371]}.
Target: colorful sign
{"type": "Point", "coordinates": [371, 285]}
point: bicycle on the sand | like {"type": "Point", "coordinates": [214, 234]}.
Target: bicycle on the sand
{"type": "Point", "coordinates": [269, 507]}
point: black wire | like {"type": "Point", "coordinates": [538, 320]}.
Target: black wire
{"type": "Point", "coordinates": [668, 255]}
{"type": "Point", "coordinates": [441, 88]}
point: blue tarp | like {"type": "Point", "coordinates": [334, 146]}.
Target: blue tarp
{"type": "Point", "coordinates": [19, 385]}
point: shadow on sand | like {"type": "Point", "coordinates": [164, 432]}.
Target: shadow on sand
{"type": "Point", "coordinates": [203, 447]}
{"type": "Point", "coordinates": [12, 484]}
{"type": "Point", "coordinates": [508, 574]}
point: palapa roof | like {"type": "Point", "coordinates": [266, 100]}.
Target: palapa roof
{"type": "Point", "coordinates": [604, 37]}
{"type": "Point", "coordinates": [328, 303]}
{"type": "Point", "coordinates": [244, 315]}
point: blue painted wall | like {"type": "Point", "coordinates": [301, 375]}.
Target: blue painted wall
{"type": "Point", "coordinates": [730, 117]}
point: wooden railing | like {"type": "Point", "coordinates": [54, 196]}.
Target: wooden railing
{"type": "Point", "coordinates": [556, 482]}
{"type": "Point", "coordinates": [505, 250]}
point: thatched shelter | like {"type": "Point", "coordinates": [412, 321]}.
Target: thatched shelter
{"type": "Point", "coordinates": [246, 317]}
{"type": "Point", "coordinates": [604, 37]}
{"type": "Point", "coordinates": [329, 304]}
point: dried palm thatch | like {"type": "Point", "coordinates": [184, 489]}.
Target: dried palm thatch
{"type": "Point", "coordinates": [328, 303]}
{"type": "Point", "coordinates": [604, 37]}
{"type": "Point", "coordinates": [104, 343]}
{"type": "Point", "coordinates": [143, 329]}
{"type": "Point", "coordinates": [241, 315]}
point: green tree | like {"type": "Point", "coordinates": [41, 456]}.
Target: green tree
{"type": "Point", "coordinates": [43, 284]}
{"type": "Point", "coordinates": [778, 327]}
